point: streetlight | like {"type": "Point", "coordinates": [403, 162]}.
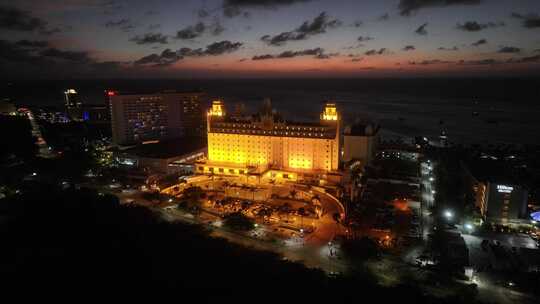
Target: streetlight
{"type": "Point", "coordinates": [431, 179]}
{"type": "Point", "coordinates": [448, 214]}
{"type": "Point", "coordinates": [469, 227]}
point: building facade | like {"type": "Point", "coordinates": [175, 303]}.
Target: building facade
{"type": "Point", "coordinates": [137, 118]}
{"type": "Point", "coordinates": [498, 200]}
{"type": "Point", "coordinates": [360, 142]}
{"type": "Point", "coordinates": [271, 147]}
{"type": "Point", "coordinates": [73, 105]}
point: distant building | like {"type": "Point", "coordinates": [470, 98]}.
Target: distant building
{"type": "Point", "coordinates": [73, 105]}
{"type": "Point", "coordinates": [360, 142]}
{"type": "Point", "coordinates": [137, 118]}
{"type": "Point", "coordinates": [266, 146]}
{"type": "Point", "coordinates": [7, 108]}
{"type": "Point", "coordinates": [166, 157]}
{"type": "Point", "coordinates": [498, 198]}
{"type": "Point", "coordinates": [96, 114]}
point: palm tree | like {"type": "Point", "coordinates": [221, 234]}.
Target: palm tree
{"type": "Point", "coordinates": [253, 190]}
{"type": "Point", "coordinates": [293, 193]}
{"type": "Point", "coordinates": [302, 213]}
{"type": "Point", "coordinates": [226, 185]}
{"type": "Point", "coordinates": [286, 208]}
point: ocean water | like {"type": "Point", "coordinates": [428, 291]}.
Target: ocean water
{"type": "Point", "coordinates": [508, 110]}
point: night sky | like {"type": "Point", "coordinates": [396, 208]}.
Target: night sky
{"type": "Point", "coordinates": [268, 38]}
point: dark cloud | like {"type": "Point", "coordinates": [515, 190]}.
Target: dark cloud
{"type": "Point", "coordinates": [318, 25]}
{"type": "Point", "coordinates": [169, 57]}
{"type": "Point", "coordinates": [50, 31]}
{"type": "Point", "coordinates": [509, 49]}
{"type": "Point", "coordinates": [442, 48]}
{"type": "Point", "coordinates": [203, 13]}
{"type": "Point", "coordinates": [66, 55]}
{"type": "Point", "coordinates": [263, 57]}
{"type": "Point", "coordinates": [191, 32]}
{"type": "Point", "coordinates": [235, 8]}
{"type": "Point", "coordinates": [529, 20]}
{"type": "Point", "coordinates": [489, 61]}
{"type": "Point", "coordinates": [429, 62]}
{"type": "Point", "coordinates": [123, 24]}
{"type": "Point", "coordinates": [33, 44]}
{"type": "Point", "coordinates": [317, 53]}
{"type": "Point", "coordinates": [39, 57]}
{"type": "Point", "coordinates": [355, 57]}
{"type": "Point", "coordinates": [421, 30]}
{"type": "Point", "coordinates": [384, 17]}
{"type": "Point", "coordinates": [232, 11]}
{"type": "Point", "coordinates": [14, 19]}
{"type": "Point", "coordinates": [409, 48]}
{"type": "Point", "coordinates": [222, 47]}
{"type": "Point", "coordinates": [150, 38]}
{"type": "Point", "coordinates": [154, 26]}
{"type": "Point", "coordinates": [479, 42]}
{"type": "Point", "coordinates": [111, 7]}
{"type": "Point", "coordinates": [358, 23]}
{"type": "Point", "coordinates": [261, 3]}
{"type": "Point", "coordinates": [216, 28]}
{"type": "Point", "coordinates": [364, 38]}
{"type": "Point", "coordinates": [408, 7]}
{"type": "Point", "coordinates": [197, 30]}
{"type": "Point", "coordinates": [473, 26]}
{"type": "Point", "coordinates": [381, 51]}
{"type": "Point", "coordinates": [530, 59]}
{"type": "Point", "coordinates": [18, 20]}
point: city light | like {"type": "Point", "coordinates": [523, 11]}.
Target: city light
{"type": "Point", "coordinates": [469, 227]}
{"type": "Point", "coordinates": [448, 214]}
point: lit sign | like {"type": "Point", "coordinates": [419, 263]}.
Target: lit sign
{"type": "Point", "coordinates": [504, 189]}
{"type": "Point", "coordinates": [111, 93]}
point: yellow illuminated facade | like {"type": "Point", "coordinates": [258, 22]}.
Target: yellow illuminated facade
{"type": "Point", "coordinates": [217, 109]}
{"type": "Point", "coordinates": [266, 143]}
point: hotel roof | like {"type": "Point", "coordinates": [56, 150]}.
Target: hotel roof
{"type": "Point", "coordinates": [169, 148]}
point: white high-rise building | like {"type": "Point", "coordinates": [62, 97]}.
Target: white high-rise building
{"type": "Point", "coordinates": [138, 118]}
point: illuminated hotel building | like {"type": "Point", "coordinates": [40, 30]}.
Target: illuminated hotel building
{"type": "Point", "coordinates": [267, 146]}
{"type": "Point", "coordinates": [138, 118]}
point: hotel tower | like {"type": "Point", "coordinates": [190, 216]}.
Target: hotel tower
{"type": "Point", "coordinates": [266, 146]}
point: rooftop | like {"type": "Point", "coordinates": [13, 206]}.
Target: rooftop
{"type": "Point", "coordinates": [169, 148]}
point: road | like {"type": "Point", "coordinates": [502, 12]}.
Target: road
{"type": "Point", "coordinates": [427, 201]}
{"type": "Point", "coordinates": [310, 256]}
{"type": "Point", "coordinates": [43, 147]}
